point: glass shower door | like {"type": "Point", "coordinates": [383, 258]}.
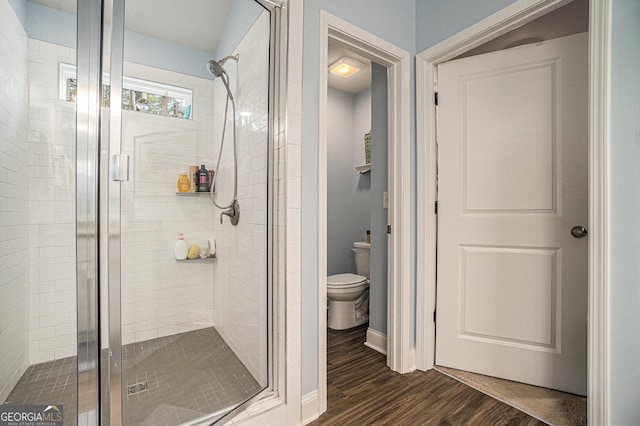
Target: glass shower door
{"type": "Point", "coordinates": [189, 90]}
{"type": "Point", "coordinates": [49, 103]}
{"type": "Point", "coordinates": [37, 231]}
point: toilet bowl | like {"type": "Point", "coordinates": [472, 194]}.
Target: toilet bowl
{"type": "Point", "coordinates": [348, 294]}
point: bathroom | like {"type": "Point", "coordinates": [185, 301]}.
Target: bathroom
{"type": "Point", "coordinates": [165, 325]}
{"type": "Point", "coordinates": [38, 232]}
{"type": "Point", "coordinates": [356, 194]}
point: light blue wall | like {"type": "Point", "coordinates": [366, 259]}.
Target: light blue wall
{"type": "Point", "coordinates": [361, 183]}
{"type": "Point", "coordinates": [348, 193]}
{"type": "Point", "coordinates": [379, 184]}
{"type": "Point", "coordinates": [625, 213]}
{"type": "Point", "coordinates": [142, 49]}
{"type": "Point", "coordinates": [243, 15]}
{"type": "Point", "coordinates": [437, 20]}
{"type": "Point", "coordinates": [395, 23]}
{"type": "Point", "coordinates": [53, 26]}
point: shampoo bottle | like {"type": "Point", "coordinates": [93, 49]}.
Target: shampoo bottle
{"type": "Point", "coordinates": [203, 179]}
{"type": "Point", "coordinates": [181, 248]}
{"type": "Point", "coordinates": [183, 182]}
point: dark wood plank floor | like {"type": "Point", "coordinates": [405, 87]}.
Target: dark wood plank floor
{"type": "Point", "coordinates": [362, 390]}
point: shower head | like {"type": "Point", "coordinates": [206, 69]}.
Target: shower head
{"type": "Point", "coordinates": [217, 70]}
{"type": "Point", "coordinates": [216, 67]}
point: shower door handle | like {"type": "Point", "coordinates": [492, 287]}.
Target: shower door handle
{"type": "Point", "coordinates": [120, 168]}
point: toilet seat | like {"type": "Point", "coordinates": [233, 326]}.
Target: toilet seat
{"type": "Point", "coordinates": [345, 281]}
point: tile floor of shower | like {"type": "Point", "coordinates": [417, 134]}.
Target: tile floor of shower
{"type": "Point", "coordinates": [188, 375]}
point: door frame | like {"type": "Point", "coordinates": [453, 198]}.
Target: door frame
{"type": "Point", "coordinates": [505, 20]}
{"type": "Point", "coordinates": [89, 87]}
{"type": "Point", "coordinates": [400, 354]}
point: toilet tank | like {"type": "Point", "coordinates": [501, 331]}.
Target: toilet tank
{"type": "Point", "coordinates": [362, 250]}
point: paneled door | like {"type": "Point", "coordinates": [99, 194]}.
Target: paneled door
{"type": "Point", "coordinates": [512, 260]}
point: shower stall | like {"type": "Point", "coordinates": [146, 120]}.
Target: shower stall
{"type": "Point", "coordinates": [103, 106]}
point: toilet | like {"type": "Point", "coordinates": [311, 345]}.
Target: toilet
{"type": "Point", "coordinates": [348, 294]}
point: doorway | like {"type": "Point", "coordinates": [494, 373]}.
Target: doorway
{"type": "Point", "coordinates": [357, 186]}
{"type": "Point", "coordinates": [512, 161]}
{"type": "Point", "coordinates": [507, 19]}
{"type": "Point", "coordinates": [512, 182]}
{"type": "Point", "coordinates": [400, 357]}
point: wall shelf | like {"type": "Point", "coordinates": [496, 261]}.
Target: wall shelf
{"type": "Point", "coordinates": [191, 194]}
{"type": "Point", "coordinates": [197, 259]}
{"type": "Point", "coordinates": [365, 168]}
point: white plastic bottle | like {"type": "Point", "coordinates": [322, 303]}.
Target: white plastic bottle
{"type": "Point", "coordinates": [181, 248]}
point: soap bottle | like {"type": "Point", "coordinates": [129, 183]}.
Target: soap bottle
{"type": "Point", "coordinates": [181, 249]}
{"type": "Point", "coordinates": [203, 179]}
{"type": "Point", "coordinates": [368, 236]}
{"type": "Point", "coordinates": [183, 182]}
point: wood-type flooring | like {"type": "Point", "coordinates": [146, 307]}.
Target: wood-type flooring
{"type": "Point", "coordinates": [362, 390]}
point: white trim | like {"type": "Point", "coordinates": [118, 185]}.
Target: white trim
{"type": "Point", "coordinates": [322, 213]}
{"type": "Point", "coordinates": [507, 19]}
{"type": "Point", "coordinates": [598, 401]}
{"type": "Point", "coordinates": [310, 411]}
{"type": "Point", "coordinates": [65, 72]}
{"type": "Point", "coordinates": [399, 355]}
{"type": "Point", "coordinates": [376, 341]}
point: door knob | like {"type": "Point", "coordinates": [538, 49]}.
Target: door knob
{"type": "Point", "coordinates": [579, 232]}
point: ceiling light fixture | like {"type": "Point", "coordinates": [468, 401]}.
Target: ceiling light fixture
{"type": "Point", "coordinates": [345, 67]}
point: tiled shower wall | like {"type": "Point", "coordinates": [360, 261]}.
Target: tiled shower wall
{"type": "Point", "coordinates": [52, 261]}
{"type": "Point", "coordinates": [241, 273]}
{"type": "Point", "coordinates": [161, 296]}
{"type": "Point", "coordinates": [14, 282]}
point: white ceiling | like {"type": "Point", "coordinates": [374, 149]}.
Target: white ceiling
{"type": "Point", "coordinates": [358, 81]}
{"type": "Point", "coordinates": [194, 23]}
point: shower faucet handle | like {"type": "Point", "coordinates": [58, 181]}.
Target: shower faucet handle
{"type": "Point", "coordinates": [233, 212]}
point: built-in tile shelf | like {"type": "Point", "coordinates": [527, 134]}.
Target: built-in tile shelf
{"type": "Point", "coordinates": [183, 194]}
{"type": "Point", "coordinates": [197, 259]}
{"type": "Point", "coordinates": [365, 168]}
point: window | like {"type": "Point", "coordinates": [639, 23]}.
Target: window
{"type": "Point", "coordinates": [137, 95]}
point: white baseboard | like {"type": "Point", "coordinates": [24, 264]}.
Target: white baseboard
{"type": "Point", "coordinates": [412, 359]}
{"type": "Point", "coordinates": [376, 341]}
{"type": "Point", "coordinates": [310, 407]}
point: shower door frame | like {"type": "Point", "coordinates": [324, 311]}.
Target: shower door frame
{"type": "Point", "coordinates": [89, 97]}
{"type": "Point", "coordinates": [108, 396]}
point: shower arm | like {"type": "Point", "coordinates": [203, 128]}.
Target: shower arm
{"type": "Point", "coordinates": [226, 58]}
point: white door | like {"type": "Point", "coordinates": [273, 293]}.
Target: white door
{"type": "Point", "coordinates": [512, 183]}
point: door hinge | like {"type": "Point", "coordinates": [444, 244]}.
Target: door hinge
{"type": "Point", "coordinates": [434, 315]}
{"type": "Point", "coordinates": [436, 208]}
{"type": "Point", "coordinates": [435, 98]}
{"type": "Point", "coordinates": [388, 229]}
